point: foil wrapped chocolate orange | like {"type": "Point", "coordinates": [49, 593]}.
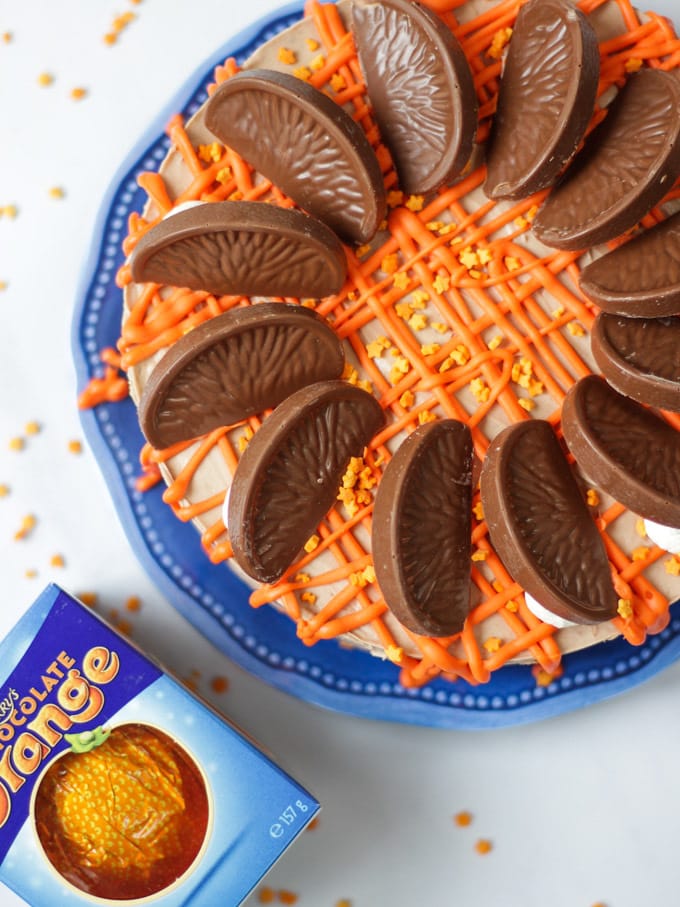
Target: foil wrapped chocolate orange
{"type": "Point", "coordinates": [124, 819]}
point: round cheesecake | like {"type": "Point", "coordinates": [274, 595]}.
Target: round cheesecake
{"type": "Point", "coordinates": [453, 310]}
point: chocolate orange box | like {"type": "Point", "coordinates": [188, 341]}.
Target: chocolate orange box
{"type": "Point", "coordinates": [119, 786]}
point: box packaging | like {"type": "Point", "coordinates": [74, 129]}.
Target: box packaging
{"type": "Point", "coordinates": [117, 786]}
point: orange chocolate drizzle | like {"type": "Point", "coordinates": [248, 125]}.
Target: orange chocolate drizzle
{"type": "Point", "coordinates": [501, 287]}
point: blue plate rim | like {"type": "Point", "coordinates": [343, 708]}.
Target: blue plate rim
{"type": "Point", "coordinates": [599, 673]}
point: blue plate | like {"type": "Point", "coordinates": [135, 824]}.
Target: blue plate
{"type": "Point", "coordinates": [214, 600]}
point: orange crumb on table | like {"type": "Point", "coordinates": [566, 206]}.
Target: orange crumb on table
{"type": "Point", "coordinates": [10, 211]}
{"type": "Point", "coordinates": [28, 524]}
{"type": "Point", "coordinates": [32, 428]}
{"type": "Point", "coordinates": [287, 897]}
{"type": "Point", "coordinates": [4, 490]}
{"type": "Point", "coordinates": [314, 824]}
{"type": "Point", "coordinates": [343, 902]}
{"type": "Point", "coordinates": [133, 603]}
{"type": "Point", "coordinates": [7, 37]}
{"type": "Point", "coordinates": [75, 446]}
{"type": "Point", "coordinates": [88, 598]}
{"type": "Point", "coordinates": [3, 285]}
{"type": "Point", "coordinates": [266, 895]}
{"type": "Point", "coordinates": [57, 560]}
{"type": "Point", "coordinates": [45, 79]}
{"type": "Point", "coordinates": [483, 846]}
{"type": "Point", "coordinates": [77, 93]}
{"type": "Point", "coordinates": [56, 192]}
{"type": "Point", "coordinates": [463, 818]}
{"type": "Point", "coordinates": [30, 573]}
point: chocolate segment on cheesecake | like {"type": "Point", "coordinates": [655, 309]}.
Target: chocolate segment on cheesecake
{"type": "Point", "coordinates": [242, 248]}
{"type": "Point", "coordinates": [640, 357]}
{"type": "Point", "coordinates": [234, 365]}
{"type": "Point", "coordinates": [640, 279]}
{"type": "Point", "coordinates": [291, 470]}
{"type": "Point", "coordinates": [546, 98]}
{"type": "Point", "coordinates": [421, 90]}
{"type": "Point", "coordinates": [421, 529]}
{"type": "Point", "coordinates": [540, 526]}
{"type": "Point", "coordinates": [306, 144]}
{"type": "Point", "coordinates": [628, 164]}
{"type": "Point", "coordinates": [627, 449]}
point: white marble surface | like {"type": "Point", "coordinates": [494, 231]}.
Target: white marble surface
{"type": "Point", "coordinates": [580, 809]}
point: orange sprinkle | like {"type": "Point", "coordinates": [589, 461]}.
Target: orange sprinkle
{"type": "Point", "coordinates": [219, 684]}
{"type": "Point", "coordinates": [592, 498]}
{"type": "Point", "coordinates": [625, 608]}
{"type": "Point", "coordinates": [57, 560]}
{"type": "Point", "coordinates": [303, 72]}
{"type": "Point", "coordinates": [463, 818]}
{"type": "Point", "coordinates": [77, 94]}
{"type": "Point", "coordinates": [483, 846]}
{"type": "Point", "coordinates": [545, 678]}
{"type": "Point", "coordinates": [28, 524]}
{"type": "Point", "coordinates": [287, 56]}
{"type": "Point", "coordinates": [88, 598]}
{"type": "Point", "coordinates": [672, 565]}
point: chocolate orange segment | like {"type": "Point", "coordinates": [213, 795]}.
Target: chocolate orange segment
{"type": "Point", "coordinates": [421, 529]}
{"type": "Point", "coordinates": [628, 164]}
{"type": "Point", "coordinates": [420, 86]}
{"type": "Point", "coordinates": [640, 357]}
{"type": "Point", "coordinates": [306, 144]}
{"type": "Point", "coordinates": [546, 98]}
{"type": "Point", "coordinates": [234, 365]}
{"type": "Point", "coordinates": [242, 248]}
{"type": "Point", "coordinates": [640, 279]}
{"type": "Point", "coordinates": [290, 472]}
{"type": "Point", "coordinates": [124, 820]}
{"type": "Point", "coordinates": [625, 448]}
{"type": "Point", "coordinates": [540, 526]}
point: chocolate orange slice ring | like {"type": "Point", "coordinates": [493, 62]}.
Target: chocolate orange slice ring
{"type": "Point", "coordinates": [546, 98]}
{"type": "Point", "coordinates": [540, 526]}
{"type": "Point", "coordinates": [640, 279]}
{"type": "Point", "coordinates": [420, 86]}
{"type": "Point", "coordinates": [625, 448]}
{"type": "Point", "coordinates": [628, 164]}
{"type": "Point", "coordinates": [640, 357]}
{"type": "Point", "coordinates": [421, 529]}
{"type": "Point", "coordinates": [237, 364]}
{"type": "Point", "coordinates": [306, 144]}
{"type": "Point", "coordinates": [242, 248]}
{"type": "Point", "coordinates": [290, 472]}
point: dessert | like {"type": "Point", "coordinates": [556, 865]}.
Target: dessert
{"type": "Point", "coordinates": [626, 167]}
{"type": "Point", "coordinates": [454, 311]}
{"type": "Point", "coordinates": [306, 144]}
{"type": "Point", "coordinates": [242, 247]}
{"type": "Point", "coordinates": [421, 90]}
{"type": "Point", "coordinates": [540, 526]}
{"type": "Point", "coordinates": [546, 98]}
{"type": "Point", "coordinates": [626, 448]}
{"type": "Point", "coordinates": [289, 474]}
{"type": "Point", "coordinates": [420, 535]}
{"type": "Point", "coordinates": [235, 365]}
{"type": "Point", "coordinates": [640, 357]}
{"type": "Point", "coordinates": [640, 278]}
